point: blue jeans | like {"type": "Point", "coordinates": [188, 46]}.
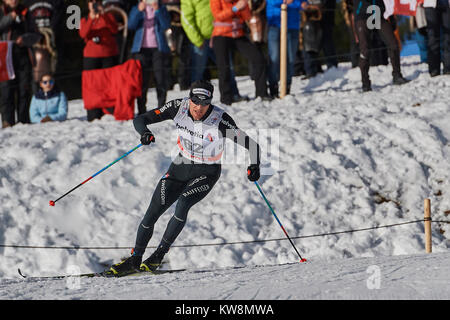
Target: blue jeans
{"type": "Point", "coordinates": [200, 57]}
{"type": "Point", "coordinates": [273, 40]}
{"type": "Point", "coordinates": [422, 44]}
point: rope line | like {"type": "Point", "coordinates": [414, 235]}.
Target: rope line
{"type": "Point", "coordinates": [223, 243]}
{"type": "Point", "coordinates": [70, 73]}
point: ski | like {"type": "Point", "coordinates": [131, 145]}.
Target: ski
{"type": "Point", "coordinates": [82, 275]}
{"type": "Point", "coordinates": [109, 274]}
{"type": "Point", "coordinates": [104, 274]}
{"type": "Point", "coordinates": [156, 272]}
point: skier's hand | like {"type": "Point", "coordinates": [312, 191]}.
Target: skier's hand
{"type": "Point", "coordinates": [253, 172]}
{"type": "Point", "coordinates": [147, 138]}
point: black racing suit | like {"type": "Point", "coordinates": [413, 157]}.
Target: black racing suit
{"type": "Point", "coordinates": [186, 181]}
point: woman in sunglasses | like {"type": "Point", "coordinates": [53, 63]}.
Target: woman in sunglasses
{"type": "Point", "coordinates": [48, 104]}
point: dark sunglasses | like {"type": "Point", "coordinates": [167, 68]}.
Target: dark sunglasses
{"type": "Point", "coordinates": [52, 82]}
{"type": "Point", "coordinates": [199, 101]}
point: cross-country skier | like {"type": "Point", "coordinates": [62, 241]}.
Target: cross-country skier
{"type": "Point", "coordinates": [202, 129]}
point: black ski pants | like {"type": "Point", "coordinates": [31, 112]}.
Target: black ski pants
{"type": "Point", "coordinates": [152, 61]}
{"type": "Point", "coordinates": [327, 24]}
{"type": "Point", "coordinates": [188, 183]}
{"type": "Point", "coordinates": [223, 47]}
{"type": "Point", "coordinates": [438, 25]}
{"type": "Point", "coordinates": [16, 93]}
{"type": "Point", "coordinates": [387, 34]}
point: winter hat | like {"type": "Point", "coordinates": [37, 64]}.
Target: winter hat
{"type": "Point", "coordinates": [201, 92]}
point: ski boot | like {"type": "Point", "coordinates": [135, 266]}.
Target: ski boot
{"type": "Point", "coordinates": [366, 84]}
{"type": "Point", "coordinates": [154, 261]}
{"type": "Point", "coordinates": [399, 80]}
{"type": "Point", "coordinates": [127, 266]}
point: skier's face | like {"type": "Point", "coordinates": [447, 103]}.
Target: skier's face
{"type": "Point", "coordinates": [197, 110]}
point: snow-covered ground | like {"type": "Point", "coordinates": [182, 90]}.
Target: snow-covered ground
{"type": "Point", "coordinates": [340, 160]}
{"type": "Point", "coordinates": [398, 277]}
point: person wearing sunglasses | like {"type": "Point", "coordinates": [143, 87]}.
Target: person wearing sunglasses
{"type": "Point", "coordinates": [202, 128]}
{"type": "Point", "coordinates": [49, 103]}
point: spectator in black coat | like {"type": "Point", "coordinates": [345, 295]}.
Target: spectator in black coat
{"type": "Point", "coordinates": [13, 28]}
{"type": "Point", "coordinates": [361, 19]}
{"type": "Point", "coordinates": [327, 25]}
{"type": "Point", "coordinates": [44, 14]}
{"type": "Point", "coordinates": [438, 31]}
{"type": "Point", "coordinates": [45, 17]}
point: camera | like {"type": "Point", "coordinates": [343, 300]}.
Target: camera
{"type": "Point", "coordinates": [95, 5]}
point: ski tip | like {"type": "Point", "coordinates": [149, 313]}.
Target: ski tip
{"type": "Point", "coordinates": [52, 203]}
{"type": "Point", "coordinates": [303, 260]}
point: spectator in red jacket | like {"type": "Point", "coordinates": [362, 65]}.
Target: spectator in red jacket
{"type": "Point", "coordinates": [98, 31]}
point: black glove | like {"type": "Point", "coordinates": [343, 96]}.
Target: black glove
{"type": "Point", "coordinates": [253, 172]}
{"type": "Point", "coordinates": [147, 138]}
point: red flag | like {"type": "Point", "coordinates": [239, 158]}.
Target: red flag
{"type": "Point", "coordinates": [6, 62]}
{"type": "Point", "coordinates": [116, 87]}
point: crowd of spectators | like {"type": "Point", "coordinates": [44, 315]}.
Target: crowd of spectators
{"type": "Point", "coordinates": [192, 35]}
